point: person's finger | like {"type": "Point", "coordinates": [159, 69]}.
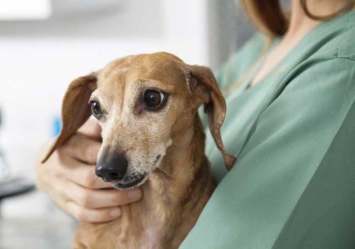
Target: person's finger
{"type": "Point", "coordinates": [92, 215]}
{"type": "Point", "coordinates": [94, 199]}
{"type": "Point", "coordinates": [91, 128]}
{"type": "Point", "coordinates": [81, 148]}
{"type": "Point", "coordinates": [80, 173]}
{"type": "Point", "coordinates": [65, 201]}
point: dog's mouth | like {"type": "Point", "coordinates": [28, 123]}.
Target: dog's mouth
{"type": "Point", "coordinates": [131, 181]}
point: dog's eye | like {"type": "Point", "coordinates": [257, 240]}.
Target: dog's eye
{"type": "Point", "coordinates": [154, 99]}
{"type": "Point", "coordinates": [95, 108]}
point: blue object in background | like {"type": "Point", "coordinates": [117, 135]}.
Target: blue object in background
{"type": "Point", "coordinates": [56, 126]}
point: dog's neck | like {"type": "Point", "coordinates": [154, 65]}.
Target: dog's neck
{"type": "Point", "coordinates": [177, 193]}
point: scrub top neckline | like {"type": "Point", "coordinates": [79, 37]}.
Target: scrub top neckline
{"type": "Point", "coordinates": [287, 60]}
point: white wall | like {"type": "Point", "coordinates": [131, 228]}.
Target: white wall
{"type": "Point", "coordinates": [35, 72]}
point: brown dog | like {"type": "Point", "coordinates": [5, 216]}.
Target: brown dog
{"type": "Point", "coordinates": [152, 134]}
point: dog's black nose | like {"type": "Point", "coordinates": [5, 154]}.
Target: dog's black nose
{"type": "Point", "coordinates": [112, 166]}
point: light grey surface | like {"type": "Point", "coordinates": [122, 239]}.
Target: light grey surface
{"type": "Point", "coordinates": [44, 233]}
{"type": "Point", "coordinates": [133, 18]}
{"type": "Point", "coordinates": [228, 29]}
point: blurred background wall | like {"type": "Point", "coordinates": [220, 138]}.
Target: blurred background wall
{"type": "Point", "coordinates": [39, 56]}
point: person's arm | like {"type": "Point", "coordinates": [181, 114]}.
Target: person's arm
{"type": "Point", "coordinates": [69, 179]}
{"type": "Point", "coordinates": [293, 183]}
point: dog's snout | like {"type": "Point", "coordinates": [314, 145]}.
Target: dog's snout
{"type": "Point", "coordinates": [112, 166]}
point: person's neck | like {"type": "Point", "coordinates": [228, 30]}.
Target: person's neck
{"type": "Point", "coordinates": [300, 24]}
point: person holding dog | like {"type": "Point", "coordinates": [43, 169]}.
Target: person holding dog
{"type": "Point", "coordinates": [290, 95]}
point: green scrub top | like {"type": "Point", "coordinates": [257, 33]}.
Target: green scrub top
{"type": "Point", "coordinates": [293, 185]}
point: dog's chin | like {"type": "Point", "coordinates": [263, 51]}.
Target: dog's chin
{"type": "Point", "coordinates": [132, 181]}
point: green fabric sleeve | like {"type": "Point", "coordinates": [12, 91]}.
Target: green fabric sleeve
{"type": "Point", "coordinates": [294, 182]}
{"type": "Point", "coordinates": [327, 204]}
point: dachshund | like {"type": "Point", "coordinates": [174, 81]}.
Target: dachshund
{"type": "Point", "coordinates": [152, 136]}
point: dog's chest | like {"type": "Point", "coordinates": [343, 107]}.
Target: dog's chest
{"type": "Point", "coordinates": [142, 228]}
{"type": "Point", "coordinates": [152, 238]}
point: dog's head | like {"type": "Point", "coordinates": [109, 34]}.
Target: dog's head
{"type": "Point", "coordinates": [141, 103]}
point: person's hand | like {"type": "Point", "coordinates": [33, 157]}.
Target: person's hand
{"type": "Point", "coordinates": [69, 178]}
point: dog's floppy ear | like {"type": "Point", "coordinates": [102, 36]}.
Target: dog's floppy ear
{"type": "Point", "coordinates": [214, 104]}
{"type": "Point", "coordinates": [75, 109]}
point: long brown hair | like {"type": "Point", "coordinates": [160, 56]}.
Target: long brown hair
{"type": "Point", "coordinates": [269, 17]}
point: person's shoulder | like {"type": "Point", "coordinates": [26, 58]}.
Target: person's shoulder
{"type": "Point", "coordinates": [332, 57]}
{"type": "Point", "coordinates": [333, 67]}
{"type": "Point", "coordinates": [345, 44]}
{"type": "Point", "coordinates": [326, 80]}
{"type": "Point", "coordinates": [329, 66]}
{"type": "Point", "coordinates": [341, 44]}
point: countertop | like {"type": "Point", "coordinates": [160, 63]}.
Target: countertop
{"type": "Point", "coordinates": [43, 233]}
